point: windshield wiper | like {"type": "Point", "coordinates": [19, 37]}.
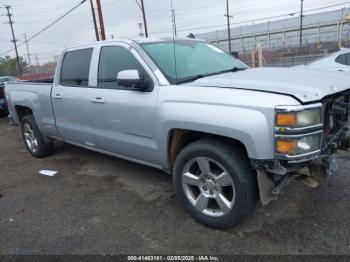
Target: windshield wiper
{"type": "Point", "coordinates": [233, 69]}
{"type": "Point", "coordinates": [191, 78]}
{"type": "Point", "coordinates": [194, 78]}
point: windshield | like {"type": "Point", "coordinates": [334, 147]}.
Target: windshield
{"type": "Point", "coordinates": [193, 59]}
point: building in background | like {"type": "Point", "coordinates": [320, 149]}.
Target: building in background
{"type": "Point", "coordinates": [322, 33]}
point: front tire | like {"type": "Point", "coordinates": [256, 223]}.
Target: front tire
{"type": "Point", "coordinates": [33, 138]}
{"type": "Point", "coordinates": [215, 183]}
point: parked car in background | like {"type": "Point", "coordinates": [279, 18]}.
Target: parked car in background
{"type": "Point", "coordinates": [225, 132]}
{"type": "Point", "coordinates": [338, 61]}
{"type": "Point", "coordinates": [3, 102]}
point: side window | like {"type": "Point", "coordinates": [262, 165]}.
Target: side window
{"type": "Point", "coordinates": [343, 59]}
{"type": "Point", "coordinates": [114, 59]}
{"type": "Point", "coordinates": [75, 68]}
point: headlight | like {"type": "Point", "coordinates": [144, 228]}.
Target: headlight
{"type": "Point", "coordinates": [298, 131]}
{"type": "Point", "coordinates": [298, 145]}
{"type": "Point", "coordinates": [298, 119]}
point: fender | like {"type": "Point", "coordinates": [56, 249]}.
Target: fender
{"type": "Point", "coordinates": [246, 125]}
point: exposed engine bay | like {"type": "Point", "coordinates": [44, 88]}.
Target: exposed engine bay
{"type": "Point", "coordinates": [274, 175]}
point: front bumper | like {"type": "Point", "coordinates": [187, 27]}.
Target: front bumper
{"type": "Point", "coordinates": [313, 166]}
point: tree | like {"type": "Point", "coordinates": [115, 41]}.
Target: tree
{"type": "Point", "coordinates": [8, 66]}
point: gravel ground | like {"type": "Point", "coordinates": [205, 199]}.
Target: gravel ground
{"type": "Point", "coordinates": [98, 204]}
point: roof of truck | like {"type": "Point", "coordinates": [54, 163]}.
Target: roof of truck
{"type": "Point", "coordinates": [137, 40]}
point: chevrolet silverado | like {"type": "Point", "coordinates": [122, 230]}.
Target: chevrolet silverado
{"type": "Point", "coordinates": [228, 134]}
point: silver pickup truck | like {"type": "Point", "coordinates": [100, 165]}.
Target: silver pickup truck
{"type": "Point", "coordinates": [228, 134]}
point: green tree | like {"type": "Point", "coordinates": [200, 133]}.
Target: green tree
{"type": "Point", "coordinates": [8, 66]}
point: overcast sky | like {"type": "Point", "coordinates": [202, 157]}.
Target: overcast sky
{"type": "Point", "coordinates": [121, 18]}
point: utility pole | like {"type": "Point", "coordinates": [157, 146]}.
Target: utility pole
{"type": "Point", "coordinates": [142, 7]}
{"type": "Point", "coordinates": [174, 20]}
{"type": "Point", "coordinates": [100, 18]}
{"type": "Point", "coordinates": [28, 54]}
{"type": "Point", "coordinates": [94, 19]}
{"type": "Point", "coordinates": [228, 26]}
{"type": "Point", "coordinates": [38, 70]}
{"type": "Point", "coordinates": [14, 39]}
{"type": "Point", "coordinates": [140, 30]}
{"type": "Point", "coordinates": [144, 18]}
{"type": "Point", "coordinates": [301, 24]}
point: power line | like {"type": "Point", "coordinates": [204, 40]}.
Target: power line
{"type": "Point", "coordinates": [144, 18]}
{"type": "Point", "coordinates": [252, 20]}
{"type": "Point", "coordinates": [46, 27]}
{"type": "Point", "coordinates": [30, 4]}
{"type": "Point", "coordinates": [47, 10]}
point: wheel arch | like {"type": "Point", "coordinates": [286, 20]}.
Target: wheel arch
{"type": "Point", "coordinates": [22, 111]}
{"type": "Point", "coordinates": [179, 138]}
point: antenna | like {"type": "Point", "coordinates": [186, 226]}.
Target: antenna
{"type": "Point", "coordinates": [174, 32]}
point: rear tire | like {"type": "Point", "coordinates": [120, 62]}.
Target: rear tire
{"type": "Point", "coordinates": [33, 138]}
{"type": "Point", "coordinates": [215, 183]}
{"type": "Point", "coordinates": [4, 113]}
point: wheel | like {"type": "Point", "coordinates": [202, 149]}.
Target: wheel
{"type": "Point", "coordinates": [33, 139]}
{"type": "Point", "coordinates": [215, 183]}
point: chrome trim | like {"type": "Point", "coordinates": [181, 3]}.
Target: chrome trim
{"type": "Point", "coordinates": [297, 129]}
{"type": "Point", "coordinates": [295, 136]}
{"type": "Point", "coordinates": [297, 108]}
{"type": "Point", "coordinates": [297, 157]}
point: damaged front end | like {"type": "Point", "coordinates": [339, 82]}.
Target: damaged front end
{"type": "Point", "coordinates": [306, 141]}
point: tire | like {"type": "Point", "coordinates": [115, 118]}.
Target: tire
{"type": "Point", "coordinates": [228, 204]}
{"type": "Point", "coordinates": [33, 138]}
{"type": "Point", "coordinates": [3, 113]}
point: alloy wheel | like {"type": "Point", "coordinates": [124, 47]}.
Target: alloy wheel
{"type": "Point", "coordinates": [208, 186]}
{"type": "Point", "coordinates": [30, 138]}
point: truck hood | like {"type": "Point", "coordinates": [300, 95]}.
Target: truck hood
{"type": "Point", "coordinates": [306, 85]}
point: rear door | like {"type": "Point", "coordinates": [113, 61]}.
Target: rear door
{"type": "Point", "coordinates": [71, 98]}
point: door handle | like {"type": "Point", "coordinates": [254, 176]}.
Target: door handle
{"type": "Point", "coordinates": [97, 100]}
{"type": "Point", "coordinates": [57, 96]}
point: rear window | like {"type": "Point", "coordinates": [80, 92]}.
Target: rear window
{"type": "Point", "coordinates": [75, 68]}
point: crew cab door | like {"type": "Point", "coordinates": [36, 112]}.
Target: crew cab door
{"type": "Point", "coordinates": [123, 118]}
{"type": "Point", "coordinates": [71, 97]}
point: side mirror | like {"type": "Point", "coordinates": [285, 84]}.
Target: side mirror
{"type": "Point", "coordinates": [130, 78]}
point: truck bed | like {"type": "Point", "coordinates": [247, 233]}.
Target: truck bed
{"type": "Point", "coordinates": [34, 95]}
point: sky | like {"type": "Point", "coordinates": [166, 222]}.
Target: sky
{"type": "Point", "coordinates": [121, 18]}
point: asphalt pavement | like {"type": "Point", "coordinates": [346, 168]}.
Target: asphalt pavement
{"type": "Point", "coordinates": [98, 204]}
